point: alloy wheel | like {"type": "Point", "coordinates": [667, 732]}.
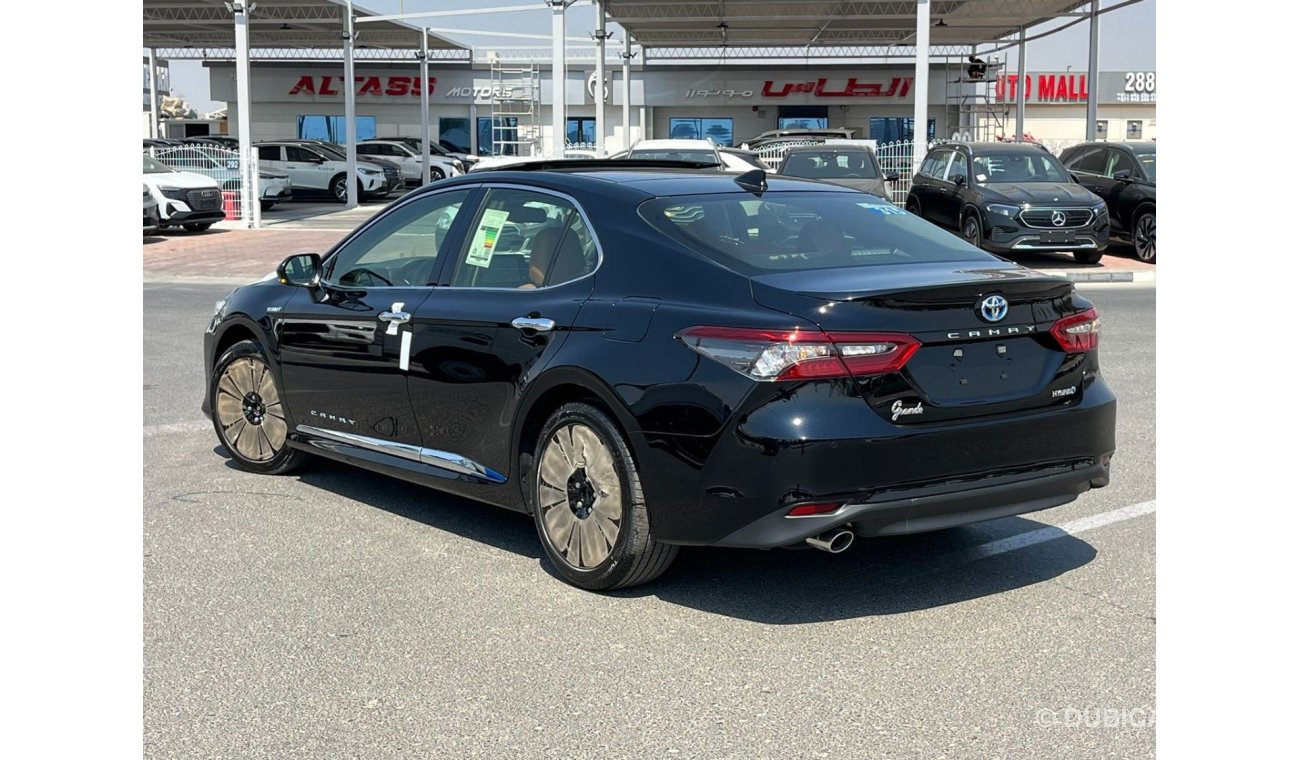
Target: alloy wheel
{"type": "Point", "coordinates": [580, 496]}
{"type": "Point", "coordinates": [249, 411]}
{"type": "Point", "coordinates": [970, 230]}
{"type": "Point", "coordinates": [1144, 238]}
{"type": "Point", "coordinates": [341, 188]}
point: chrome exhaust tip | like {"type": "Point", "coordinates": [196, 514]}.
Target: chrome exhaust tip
{"type": "Point", "coordinates": [833, 541]}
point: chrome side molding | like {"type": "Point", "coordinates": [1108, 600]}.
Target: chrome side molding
{"type": "Point", "coordinates": [443, 460]}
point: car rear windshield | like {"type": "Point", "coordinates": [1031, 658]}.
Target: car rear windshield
{"type": "Point", "coordinates": [830, 165]}
{"type": "Point", "coordinates": [668, 154]}
{"type": "Point", "coordinates": [992, 168]}
{"type": "Point", "coordinates": [792, 231]}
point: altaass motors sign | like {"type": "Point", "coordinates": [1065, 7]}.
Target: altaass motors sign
{"type": "Point", "coordinates": [395, 86]}
{"type": "Point", "coordinates": [1069, 87]}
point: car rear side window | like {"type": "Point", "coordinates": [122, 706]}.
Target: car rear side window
{"type": "Point", "coordinates": [1120, 161]}
{"type": "Point", "coordinates": [268, 153]}
{"type": "Point", "coordinates": [525, 239]}
{"type": "Point", "coordinates": [800, 231]}
{"type": "Point", "coordinates": [1088, 161]}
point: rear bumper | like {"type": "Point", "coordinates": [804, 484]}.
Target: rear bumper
{"type": "Point", "coordinates": [737, 488]}
{"type": "Point", "coordinates": [924, 509]}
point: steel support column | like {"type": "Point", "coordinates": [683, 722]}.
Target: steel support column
{"type": "Point", "coordinates": [1091, 132]}
{"type": "Point", "coordinates": [350, 107]}
{"type": "Point", "coordinates": [921, 86]}
{"type": "Point", "coordinates": [558, 75]}
{"type": "Point", "coordinates": [627, 90]}
{"type": "Point", "coordinates": [1022, 84]}
{"type": "Point", "coordinates": [153, 95]}
{"type": "Point", "coordinates": [598, 93]}
{"type": "Point", "coordinates": [424, 107]}
{"type": "Point", "coordinates": [243, 102]}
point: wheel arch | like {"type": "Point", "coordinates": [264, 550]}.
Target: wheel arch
{"type": "Point", "coordinates": [235, 329]}
{"type": "Point", "coordinates": [549, 392]}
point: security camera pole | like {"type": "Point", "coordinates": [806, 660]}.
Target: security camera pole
{"type": "Point", "coordinates": [558, 75]}
{"type": "Point", "coordinates": [350, 108]}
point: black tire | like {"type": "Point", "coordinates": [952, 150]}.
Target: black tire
{"type": "Point", "coordinates": [912, 207]}
{"type": "Point", "coordinates": [1144, 237]}
{"type": "Point", "coordinates": [634, 556]}
{"type": "Point", "coordinates": [1091, 256]}
{"type": "Point", "coordinates": [339, 188]}
{"type": "Point", "coordinates": [971, 230]}
{"type": "Point", "coordinates": [197, 226]}
{"type": "Point", "coordinates": [252, 400]}
{"type": "Point", "coordinates": [435, 174]}
{"type": "Point", "coordinates": [268, 205]}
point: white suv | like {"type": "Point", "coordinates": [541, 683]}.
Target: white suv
{"type": "Point", "coordinates": [409, 160]}
{"type": "Point", "coordinates": [314, 171]}
{"type": "Point", "coordinates": [185, 199]}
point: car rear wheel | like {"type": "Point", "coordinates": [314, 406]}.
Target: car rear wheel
{"type": "Point", "coordinates": [247, 412]}
{"type": "Point", "coordinates": [435, 174]}
{"type": "Point", "coordinates": [970, 230]}
{"type": "Point", "coordinates": [268, 205]}
{"type": "Point", "coordinates": [197, 226]}
{"type": "Point", "coordinates": [912, 207]}
{"type": "Point", "coordinates": [588, 505]}
{"type": "Point", "coordinates": [1144, 237]}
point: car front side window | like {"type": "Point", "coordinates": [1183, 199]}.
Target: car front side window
{"type": "Point", "coordinates": [402, 248]}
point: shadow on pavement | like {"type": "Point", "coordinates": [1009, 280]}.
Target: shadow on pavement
{"type": "Point", "coordinates": [880, 576]}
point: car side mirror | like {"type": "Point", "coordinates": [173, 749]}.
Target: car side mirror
{"type": "Point", "coordinates": [959, 180]}
{"type": "Point", "coordinates": [301, 269]}
{"type": "Point", "coordinates": [1124, 175]}
{"type": "Point", "coordinates": [891, 177]}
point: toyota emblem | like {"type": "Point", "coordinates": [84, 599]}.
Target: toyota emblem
{"type": "Point", "coordinates": [1058, 218]}
{"type": "Point", "coordinates": [993, 309]}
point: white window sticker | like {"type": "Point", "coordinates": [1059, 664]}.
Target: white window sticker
{"type": "Point", "coordinates": [485, 238]}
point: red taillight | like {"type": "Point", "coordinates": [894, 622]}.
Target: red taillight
{"type": "Point", "coordinates": [810, 510]}
{"type": "Point", "coordinates": [801, 354]}
{"type": "Point", "coordinates": [1078, 332]}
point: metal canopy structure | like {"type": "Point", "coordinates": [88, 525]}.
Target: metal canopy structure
{"type": "Point", "coordinates": [820, 28]}
{"type": "Point", "coordinates": [281, 29]}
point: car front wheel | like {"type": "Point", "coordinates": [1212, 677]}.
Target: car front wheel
{"type": "Point", "coordinates": [588, 505]}
{"type": "Point", "coordinates": [247, 411]}
{"type": "Point", "coordinates": [970, 230]}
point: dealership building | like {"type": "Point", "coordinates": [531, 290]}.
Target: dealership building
{"type": "Point", "coordinates": [727, 103]}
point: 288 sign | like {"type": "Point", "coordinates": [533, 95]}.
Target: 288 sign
{"type": "Point", "coordinates": [1139, 81]}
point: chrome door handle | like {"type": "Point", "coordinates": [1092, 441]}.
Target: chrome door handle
{"type": "Point", "coordinates": [400, 317]}
{"type": "Point", "coordinates": [536, 324]}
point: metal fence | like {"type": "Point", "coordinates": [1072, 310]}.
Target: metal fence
{"type": "Point", "coordinates": [774, 153]}
{"type": "Point", "coordinates": [222, 165]}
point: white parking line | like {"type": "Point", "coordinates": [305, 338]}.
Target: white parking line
{"type": "Point", "coordinates": [1051, 533]}
{"type": "Point", "coordinates": [176, 427]}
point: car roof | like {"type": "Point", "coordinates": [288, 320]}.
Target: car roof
{"type": "Point", "coordinates": [634, 185]}
{"type": "Point", "coordinates": [1147, 146]}
{"type": "Point", "coordinates": [823, 147]}
{"type": "Point", "coordinates": [981, 148]}
{"type": "Point", "coordinates": [675, 144]}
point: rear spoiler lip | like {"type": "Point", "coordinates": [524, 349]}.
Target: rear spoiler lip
{"type": "Point", "coordinates": [989, 279]}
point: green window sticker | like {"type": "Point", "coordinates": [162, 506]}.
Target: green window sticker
{"type": "Point", "coordinates": [485, 238]}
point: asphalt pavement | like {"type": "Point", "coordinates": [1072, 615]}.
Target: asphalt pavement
{"type": "Point", "coordinates": [335, 613]}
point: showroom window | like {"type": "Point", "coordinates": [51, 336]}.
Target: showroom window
{"type": "Point", "coordinates": [802, 117]}
{"type": "Point", "coordinates": [453, 133]}
{"type": "Point", "coordinates": [1103, 127]}
{"type": "Point", "coordinates": [507, 132]}
{"type": "Point", "coordinates": [330, 128]}
{"type": "Point", "coordinates": [1134, 130]}
{"type": "Point", "coordinates": [716, 129]}
{"type": "Point", "coordinates": [894, 128]}
{"type": "Point", "coordinates": [580, 129]}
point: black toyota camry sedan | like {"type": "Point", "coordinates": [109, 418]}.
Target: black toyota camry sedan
{"type": "Point", "coordinates": [644, 357]}
{"type": "Point", "coordinates": [1009, 198]}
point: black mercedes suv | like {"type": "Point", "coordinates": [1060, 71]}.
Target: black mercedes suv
{"type": "Point", "coordinates": [1009, 197]}
{"type": "Point", "coordinates": [644, 356]}
{"type": "Point", "coordinates": [1124, 174]}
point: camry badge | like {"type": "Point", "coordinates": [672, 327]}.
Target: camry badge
{"type": "Point", "coordinates": [993, 309]}
{"type": "Point", "coordinates": [1058, 218]}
